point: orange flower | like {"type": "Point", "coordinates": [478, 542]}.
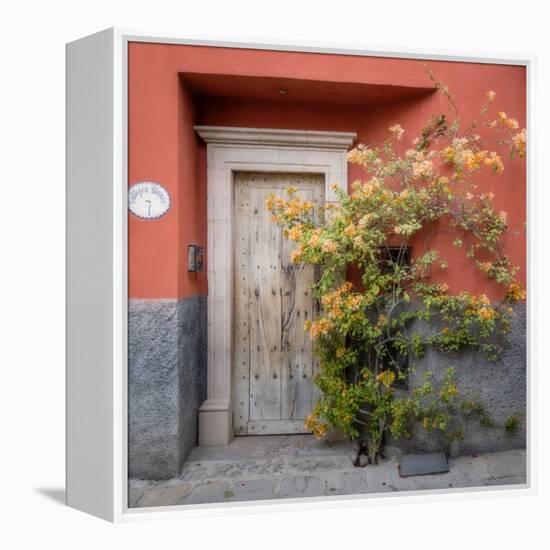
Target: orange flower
{"type": "Point", "coordinates": [482, 298]}
{"type": "Point", "coordinates": [329, 246]}
{"type": "Point", "coordinates": [485, 266]}
{"type": "Point", "coordinates": [486, 313]}
{"type": "Point", "coordinates": [404, 194]}
{"type": "Point", "coordinates": [516, 292]}
{"type": "Point", "coordinates": [397, 131]}
{"type": "Point", "coordinates": [354, 302]}
{"type": "Point", "coordinates": [448, 154]}
{"type": "Point", "coordinates": [495, 162]}
{"type": "Point", "coordinates": [386, 377]}
{"type": "Point", "coordinates": [313, 240]}
{"type": "Point", "coordinates": [519, 143]}
{"type": "Point", "coordinates": [291, 190]}
{"type": "Point", "coordinates": [296, 255]}
{"type": "Point", "coordinates": [320, 328]}
{"type": "Point", "coordinates": [512, 123]}
{"type": "Point", "coordinates": [318, 428]}
{"type": "Point", "coordinates": [350, 231]}
{"type": "Point", "coordinates": [422, 169]}
{"type": "Point", "coordinates": [295, 233]}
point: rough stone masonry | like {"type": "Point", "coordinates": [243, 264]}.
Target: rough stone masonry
{"type": "Point", "coordinates": [501, 386]}
{"type": "Point", "coordinates": [166, 383]}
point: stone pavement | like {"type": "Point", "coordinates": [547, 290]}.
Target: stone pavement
{"type": "Point", "coordinates": [276, 467]}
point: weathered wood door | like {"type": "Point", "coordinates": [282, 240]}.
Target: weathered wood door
{"type": "Point", "coordinates": [273, 364]}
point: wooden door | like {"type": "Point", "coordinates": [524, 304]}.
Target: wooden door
{"type": "Point", "coordinates": [273, 364]}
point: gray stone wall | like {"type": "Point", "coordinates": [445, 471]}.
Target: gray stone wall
{"type": "Point", "coordinates": [166, 383]}
{"type": "Point", "coordinates": [501, 386]}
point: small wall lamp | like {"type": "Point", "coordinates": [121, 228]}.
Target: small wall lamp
{"type": "Point", "coordinates": [194, 258]}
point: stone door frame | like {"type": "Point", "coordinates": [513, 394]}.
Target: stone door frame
{"type": "Point", "coordinates": [231, 150]}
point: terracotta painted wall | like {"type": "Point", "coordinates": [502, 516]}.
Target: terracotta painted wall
{"type": "Point", "coordinates": [163, 146]}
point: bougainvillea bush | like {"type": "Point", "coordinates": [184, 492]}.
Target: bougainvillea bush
{"type": "Point", "coordinates": [394, 310]}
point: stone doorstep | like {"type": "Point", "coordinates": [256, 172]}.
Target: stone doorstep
{"type": "Point", "coordinates": [265, 447]}
{"type": "Point", "coordinates": [231, 470]}
{"type": "Point", "coordinates": [252, 467]}
{"type": "Point", "coordinates": [261, 468]}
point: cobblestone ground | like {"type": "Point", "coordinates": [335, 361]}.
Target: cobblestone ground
{"type": "Point", "coordinates": [276, 467]}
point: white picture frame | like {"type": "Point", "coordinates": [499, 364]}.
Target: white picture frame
{"type": "Point", "coordinates": [97, 244]}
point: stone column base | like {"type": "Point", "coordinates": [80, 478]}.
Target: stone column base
{"type": "Point", "coordinates": [215, 424]}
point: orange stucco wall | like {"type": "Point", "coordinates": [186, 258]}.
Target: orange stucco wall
{"type": "Point", "coordinates": [164, 105]}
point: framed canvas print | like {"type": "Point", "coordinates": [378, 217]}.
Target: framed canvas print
{"type": "Point", "coordinates": [295, 273]}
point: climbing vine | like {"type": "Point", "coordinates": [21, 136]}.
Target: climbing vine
{"type": "Point", "coordinates": [393, 309]}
